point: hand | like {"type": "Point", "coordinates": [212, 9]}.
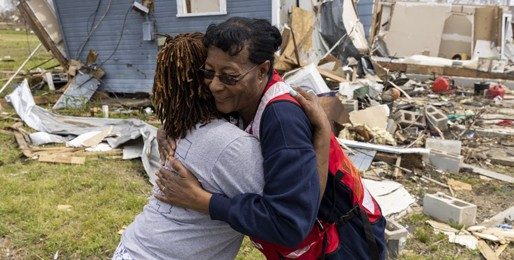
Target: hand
{"type": "Point", "coordinates": [166, 146]}
{"type": "Point", "coordinates": [312, 107]}
{"type": "Point", "coordinates": [180, 188]}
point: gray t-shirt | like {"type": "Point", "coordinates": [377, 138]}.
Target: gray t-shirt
{"type": "Point", "coordinates": [225, 160]}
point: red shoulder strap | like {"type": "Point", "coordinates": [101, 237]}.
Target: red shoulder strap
{"type": "Point", "coordinates": [284, 97]}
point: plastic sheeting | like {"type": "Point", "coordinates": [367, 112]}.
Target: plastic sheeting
{"type": "Point", "coordinates": [334, 25]}
{"type": "Point", "coordinates": [123, 130]}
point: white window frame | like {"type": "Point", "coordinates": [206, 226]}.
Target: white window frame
{"type": "Point", "coordinates": [182, 11]}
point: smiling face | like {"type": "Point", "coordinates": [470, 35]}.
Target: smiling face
{"type": "Point", "coordinates": [244, 96]}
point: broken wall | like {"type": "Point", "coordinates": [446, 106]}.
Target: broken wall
{"type": "Point", "coordinates": [457, 37]}
{"type": "Point", "coordinates": [416, 28]}
{"type": "Point", "coordinates": [438, 30]}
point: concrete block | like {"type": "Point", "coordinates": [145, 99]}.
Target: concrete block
{"type": "Point", "coordinates": [350, 105]}
{"type": "Point", "coordinates": [407, 118]}
{"type": "Point", "coordinates": [436, 118]}
{"type": "Point", "coordinates": [444, 154]}
{"type": "Point", "coordinates": [444, 161]}
{"type": "Point", "coordinates": [449, 209]}
{"type": "Point", "coordinates": [396, 236]}
{"type": "Point", "coordinates": [449, 146]}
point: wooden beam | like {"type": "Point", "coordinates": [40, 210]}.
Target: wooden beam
{"type": "Point", "coordinates": [331, 75]}
{"type": "Point", "coordinates": [41, 33]}
{"type": "Point", "coordinates": [442, 71]}
{"type": "Point", "coordinates": [58, 158]}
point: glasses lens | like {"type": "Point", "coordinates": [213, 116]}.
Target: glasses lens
{"type": "Point", "coordinates": [208, 74]}
{"type": "Point", "coordinates": [227, 79]}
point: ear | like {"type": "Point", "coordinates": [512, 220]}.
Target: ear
{"type": "Point", "coordinates": [264, 69]}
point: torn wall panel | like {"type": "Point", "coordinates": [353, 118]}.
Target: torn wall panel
{"type": "Point", "coordinates": [416, 29]}
{"type": "Point", "coordinates": [457, 36]}
{"type": "Point", "coordinates": [487, 21]}
{"type": "Point", "coordinates": [43, 21]}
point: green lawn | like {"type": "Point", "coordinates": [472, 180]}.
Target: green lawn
{"type": "Point", "coordinates": [19, 45]}
{"type": "Point", "coordinates": [104, 194]}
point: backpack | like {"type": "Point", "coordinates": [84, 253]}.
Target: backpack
{"type": "Point", "coordinates": [345, 196]}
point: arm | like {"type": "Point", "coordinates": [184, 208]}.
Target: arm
{"type": "Point", "coordinates": [322, 131]}
{"type": "Point", "coordinates": [287, 209]}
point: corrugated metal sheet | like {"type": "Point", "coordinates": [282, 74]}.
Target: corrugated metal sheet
{"type": "Point", "coordinates": [131, 67]}
{"type": "Point", "coordinates": [365, 14]}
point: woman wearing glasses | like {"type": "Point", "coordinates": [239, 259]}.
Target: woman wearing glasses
{"type": "Point", "coordinates": [225, 159]}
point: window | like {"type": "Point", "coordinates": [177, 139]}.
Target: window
{"type": "Point", "coordinates": [201, 7]}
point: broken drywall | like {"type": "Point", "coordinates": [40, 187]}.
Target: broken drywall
{"type": "Point", "coordinates": [416, 28]}
{"type": "Point", "coordinates": [457, 38]}
{"type": "Point", "coordinates": [487, 20]}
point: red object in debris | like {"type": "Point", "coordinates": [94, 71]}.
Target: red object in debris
{"type": "Point", "coordinates": [441, 84]}
{"type": "Point", "coordinates": [496, 90]}
{"type": "Point", "coordinates": [505, 122]}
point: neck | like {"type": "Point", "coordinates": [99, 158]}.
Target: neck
{"type": "Point", "coordinates": [248, 113]}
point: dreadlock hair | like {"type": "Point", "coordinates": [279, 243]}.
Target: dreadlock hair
{"type": "Point", "coordinates": [180, 96]}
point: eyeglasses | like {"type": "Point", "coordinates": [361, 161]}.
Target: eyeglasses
{"type": "Point", "coordinates": [225, 78]}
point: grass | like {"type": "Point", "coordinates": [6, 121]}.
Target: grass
{"type": "Point", "coordinates": [105, 194]}
{"type": "Point", "coordinates": [19, 45]}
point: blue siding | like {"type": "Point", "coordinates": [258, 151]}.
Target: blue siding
{"type": "Point", "coordinates": [131, 68]}
{"type": "Point", "coordinates": [365, 14]}
{"type": "Point", "coordinates": [168, 22]}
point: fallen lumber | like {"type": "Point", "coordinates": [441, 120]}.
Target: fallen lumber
{"type": "Point", "coordinates": [489, 173]}
{"type": "Point", "coordinates": [60, 158]}
{"type": "Point", "coordinates": [440, 70]}
{"type": "Point", "coordinates": [486, 251]}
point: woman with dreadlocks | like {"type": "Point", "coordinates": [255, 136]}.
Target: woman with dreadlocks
{"type": "Point", "coordinates": [224, 159]}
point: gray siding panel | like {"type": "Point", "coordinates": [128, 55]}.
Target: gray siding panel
{"type": "Point", "coordinates": [131, 68]}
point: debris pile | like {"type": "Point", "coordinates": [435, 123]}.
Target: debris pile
{"type": "Point", "coordinates": [420, 111]}
{"type": "Point", "coordinates": [425, 110]}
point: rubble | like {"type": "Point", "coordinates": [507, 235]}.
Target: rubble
{"type": "Point", "coordinates": [424, 106]}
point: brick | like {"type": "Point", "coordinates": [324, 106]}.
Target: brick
{"type": "Point", "coordinates": [449, 209]}
{"type": "Point", "coordinates": [396, 236]}
{"type": "Point", "coordinates": [407, 118]}
{"type": "Point", "coordinates": [436, 117]}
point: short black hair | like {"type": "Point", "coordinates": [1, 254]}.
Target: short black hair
{"type": "Point", "coordinates": [234, 34]}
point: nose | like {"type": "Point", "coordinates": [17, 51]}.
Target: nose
{"type": "Point", "coordinates": [215, 84]}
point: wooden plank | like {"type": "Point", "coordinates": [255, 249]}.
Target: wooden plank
{"type": "Point", "coordinates": [57, 158]}
{"type": "Point", "coordinates": [486, 251]}
{"type": "Point", "coordinates": [500, 249]}
{"type": "Point", "coordinates": [331, 75]}
{"type": "Point", "coordinates": [443, 71]}
{"type": "Point", "coordinates": [488, 173]}
{"type": "Point", "coordinates": [39, 100]}
{"type": "Point", "coordinates": [22, 143]}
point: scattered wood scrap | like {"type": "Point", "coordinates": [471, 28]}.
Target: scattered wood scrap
{"type": "Point", "coordinates": [486, 250]}
{"type": "Point", "coordinates": [489, 173]}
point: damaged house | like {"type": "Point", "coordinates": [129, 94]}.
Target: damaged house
{"type": "Point", "coordinates": [122, 37]}
{"type": "Point", "coordinates": [112, 44]}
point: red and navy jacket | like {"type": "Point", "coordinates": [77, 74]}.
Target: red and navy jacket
{"type": "Point", "coordinates": [286, 211]}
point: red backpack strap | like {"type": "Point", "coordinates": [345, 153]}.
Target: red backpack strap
{"type": "Point", "coordinates": [285, 97]}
